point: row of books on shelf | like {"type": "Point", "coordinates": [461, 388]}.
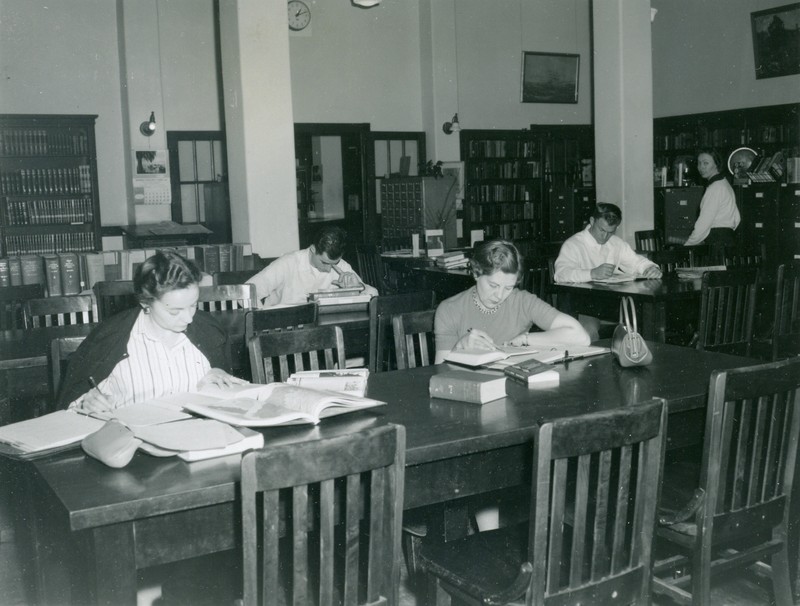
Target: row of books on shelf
{"type": "Point", "coordinates": [49, 243]}
{"type": "Point", "coordinates": [42, 142]}
{"type": "Point", "coordinates": [70, 273]}
{"type": "Point", "coordinates": [49, 211]}
{"type": "Point", "coordinates": [506, 211]}
{"type": "Point", "coordinates": [46, 181]}
{"type": "Point", "coordinates": [513, 169]}
{"type": "Point", "coordinates": [727, 137]}
{"type": "Point", "coordinates": [511, 231]}
{"type": "Point", "coordinates": [501, 148]}
{"type": "Point", "coordinates": [501, 193]}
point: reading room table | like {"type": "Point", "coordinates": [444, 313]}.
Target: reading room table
{"type": "Point", "coordinates": [93, 526]}
{"type": "Point", "coordinates": [651, 297]}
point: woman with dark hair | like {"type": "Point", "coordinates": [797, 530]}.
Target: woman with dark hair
{"type": "Point", "coordinates": [719, 215]}
{"type": "Point", "coordinates": [164, 346]}
{"type": "Point", "coordinates": [495, 311]}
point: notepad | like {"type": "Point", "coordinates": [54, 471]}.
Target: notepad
{"type": "Point", "coordinates": [618, 278]}
{"type": "Point", "coordinates": [54, 430]}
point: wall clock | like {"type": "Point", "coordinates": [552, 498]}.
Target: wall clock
{"type": "Point", "coordinates": [299, 15]}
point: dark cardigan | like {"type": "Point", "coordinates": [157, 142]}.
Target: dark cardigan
{"type": "Point", "coordinates": [107, 345]}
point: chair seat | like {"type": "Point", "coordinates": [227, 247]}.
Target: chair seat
{"type": "Point", "coordinates": [485, 564]}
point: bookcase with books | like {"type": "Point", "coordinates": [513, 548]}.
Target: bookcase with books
{"type": "Point", "coordinates": [48, 184]}
{"type": "Point", "coordinates": [518, 181]}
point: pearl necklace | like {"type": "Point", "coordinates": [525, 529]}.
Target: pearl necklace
{"type": "Point", "coordinates": [480, 306]}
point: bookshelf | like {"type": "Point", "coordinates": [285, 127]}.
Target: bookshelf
{"type": "Point", "coordinates": [529, 186]}
{"type": "Point", "coordinates": [766, 129]}
{"type": "Point", "coordinates": [48, 184]}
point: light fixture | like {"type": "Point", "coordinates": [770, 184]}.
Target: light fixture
{"type": "Point", "coordinates": [451, 127]}
{"type": "Point", "coordinates": [148, 127]}
{"type": "Point", "coordinates": [365, 3]}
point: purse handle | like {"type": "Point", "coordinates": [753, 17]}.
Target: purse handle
{"type": "Point", "coordinates": [624, 316]}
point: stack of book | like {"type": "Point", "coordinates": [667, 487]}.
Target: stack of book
{"type": "Point", "coordinates": [452, 260]}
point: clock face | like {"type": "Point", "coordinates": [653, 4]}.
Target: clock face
{"type": "Point", "coordinates": [299, 15]}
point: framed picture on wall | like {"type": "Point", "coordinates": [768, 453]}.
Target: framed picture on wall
{"type": "Point", "coordinates": [549, 77]}
{"type": "Point", "coordinates": [776, 41]}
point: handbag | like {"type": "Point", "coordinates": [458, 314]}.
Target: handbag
{"type": "Point", "coordinates": [627, 345]}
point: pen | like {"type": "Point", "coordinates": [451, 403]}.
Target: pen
{"type": "Point", "coordinates": [492, 345]}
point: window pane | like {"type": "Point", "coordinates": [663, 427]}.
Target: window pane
{"type": "Point", "coordinates": [204, 159]}
{"type": "Point", "coordinates": [220, 169]}
{"type": "Point", "coordinates": [413, 153]}
{"type": "Point", "coordinates": [395, 151]}
{"type": "Point", "coordinates": [189, 203]}
{"type": "Point", "coordinates": [186, 160]}
{"type": "Point", "coordinates": [382, 168]}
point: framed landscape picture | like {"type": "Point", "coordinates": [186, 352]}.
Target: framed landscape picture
{"type": "Point", "coordinates": [549, 77]}
{"type": "Point", "coordinates": [776, 41]}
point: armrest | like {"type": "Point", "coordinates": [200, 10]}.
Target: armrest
{"type": "Point", "coordinates": [515, 590]}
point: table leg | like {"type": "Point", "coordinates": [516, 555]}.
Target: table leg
{"type": "Point", "coordinates": [114, 564]}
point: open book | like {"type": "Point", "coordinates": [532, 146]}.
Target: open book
{"type": "Point", "coordinates": [479, 357]}
{"type": "Point", "coordinates": [251, 405]}
{"type": "Point", "coordinates": [618, 278]}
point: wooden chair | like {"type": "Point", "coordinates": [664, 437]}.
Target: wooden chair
{"type": "Point", "coordinates": [741, 512]}
{"type": "Point", "coordinates": [227, 297]}
{"type": "Point", "coordinates": [276, 355]}
{"type": "Point", "coordinates": [705, 255]}
{"type": "Point", "coordinates": [649, 240]}
{"type": "Point", "coordinates": [413, 338]}
{"type": "Point", "coordinates": [12, 300]}
{"type": "Point", "coordinates": [745, 255]}
{"type": "Point", "coordinates": [370, 266]}
{"type": "Point", "coordinates": [240, 276]}
{"type": "Point", "coordinates": [60, 311]}
{"type": "Point", "coordinates": [381, 310]}
{"type": "Point", "coordinates": [321, 520]}
{"type": "Point", "coordinates": [588, 539]}
{"type": "Point", "coordinates": [786, 327]}
{"type": "Point", "coordinates": [281, 318]}
{"type": "Point", "coordinates": [113, 296]}
{"type": "Point", "coordinates": [61, 349]}
{"type": "Point", "coordinates": [727, 309]}
{"type": "Point", "coordinates": [670, 260]}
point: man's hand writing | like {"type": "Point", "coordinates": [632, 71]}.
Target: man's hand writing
{"type": "Point", "coordinates": [601, 272]}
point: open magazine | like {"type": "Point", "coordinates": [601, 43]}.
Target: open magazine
{"type": "Point", "coordinates": [252, 405]}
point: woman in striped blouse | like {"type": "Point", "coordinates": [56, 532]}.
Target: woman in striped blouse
{"type": "Point", "coordinates": [164, 346]}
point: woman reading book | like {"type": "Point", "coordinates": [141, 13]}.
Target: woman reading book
{"type": "Point", "coordinates": [495, 312]}
{"type": "Point", "coordinates": [163, 346]}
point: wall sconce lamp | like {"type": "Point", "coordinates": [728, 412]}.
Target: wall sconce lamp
{"type": "Point", "coordinates": [148, 127]}
{"type": "Point", "coordinates": [365, 3]}
{"type": "Point", "coordinates": [452, 127]}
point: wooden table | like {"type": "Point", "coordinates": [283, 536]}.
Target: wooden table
{"type": "Point", "coordinates": [652, 299]}
{"type": "Point", "coordinates": [103, 524]}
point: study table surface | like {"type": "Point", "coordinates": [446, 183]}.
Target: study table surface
{"type": "Point", "coordinates": [159, 510]}
{"type": "Point", "coordinates": [652, 297]}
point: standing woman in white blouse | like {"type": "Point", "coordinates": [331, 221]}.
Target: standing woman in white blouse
{"type": "Point", "coordinates": [719, 215]}
{"type": "Point", "coordinates": [163, 346]}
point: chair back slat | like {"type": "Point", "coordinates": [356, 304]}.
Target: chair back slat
{"type": "Point", "coordinates": [670, 260]}
{"type": "Point", "coordinates": [60, 311]}
{"type": "Point", "coordinates": [326, 495]}
{"type": "Point", "coordinates": [113, 296]}
{"type": "Point", "coordinates": [786, 314]}
{"type": "Point", "coordinates": [727, 310]}
{"type": "Point", "coordinates": [413, 338]}
{"type": "Point", "coordinates": [12, 300]}
{"type": "Point", "coordinates": [282, 318]}
{"type": "Point", "coordinates": [276, 355]}
{"type": "Point", "coordinates": [226, 297]}
{"type": "Point", "coordinates": [608, 532]}
{"type": "Point", "coordinates": [381, 311]}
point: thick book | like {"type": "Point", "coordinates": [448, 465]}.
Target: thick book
{"type": "Point", "coordinates": [5, 277]}
{"type": "Point", "coordinates": [251, 405]}
{"type": "Point", "coordinates": [52, 275]}
{"type": "Point", "coordinates": [468, 386]}
{"type": "Point", "coordinates": [70, 273]}
{"type": "Point", "coordinates": [531, 371]}
{"type": "Point", "coordinates": [15, 271]}
{"type": "Point", "coordinates": [94, 269]}
{"type": "Point", "coordinates": [479, 357]}
{"type": "Point", "coordinates": [32, 269]}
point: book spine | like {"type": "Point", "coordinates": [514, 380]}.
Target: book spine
{"type": "Point", "coordinates": [5, 278]}
{"type": "Point", "coordinates": [32, 269]}
{"type": "Point", "coordinates": [454, 389]}
{"type": "Point", "coordinates": [52, 274]}
{"type": "Point", "coordinates": [70, 273]}
{"type": "Point", "coordinates": [15, 271]}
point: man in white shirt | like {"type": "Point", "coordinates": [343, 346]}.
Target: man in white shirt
{"type": "Point", "coordinates": [596, 253]}
{"type": "Point", "coordinates": [290, 278]}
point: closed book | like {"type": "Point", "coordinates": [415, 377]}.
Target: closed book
{"type": "Point", "coordinates": [225, 254]}
{"type": "Point", "coordinates": [52, 275]}
{"type": "Point", "coordinates": [200, 256]}
{"type": "Point", "coordinates": [5, 278]}
{"type": "Point", "coordinates": [111, 265]}
{"type": "Point", "coordinates": [212, 259]}
{"type": "Point", "coordinates": [32, 269]}
{"type": "Point", "coordinates": [15, 271]}
{"type": "Point", "coordinates": [532, 371]}
{"type": "Point", "coordinates": [94, 269]}
{"type": "Point", "coordinates": [468, 386]}
{"type": "Point", "coordinates": [70, 273]}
